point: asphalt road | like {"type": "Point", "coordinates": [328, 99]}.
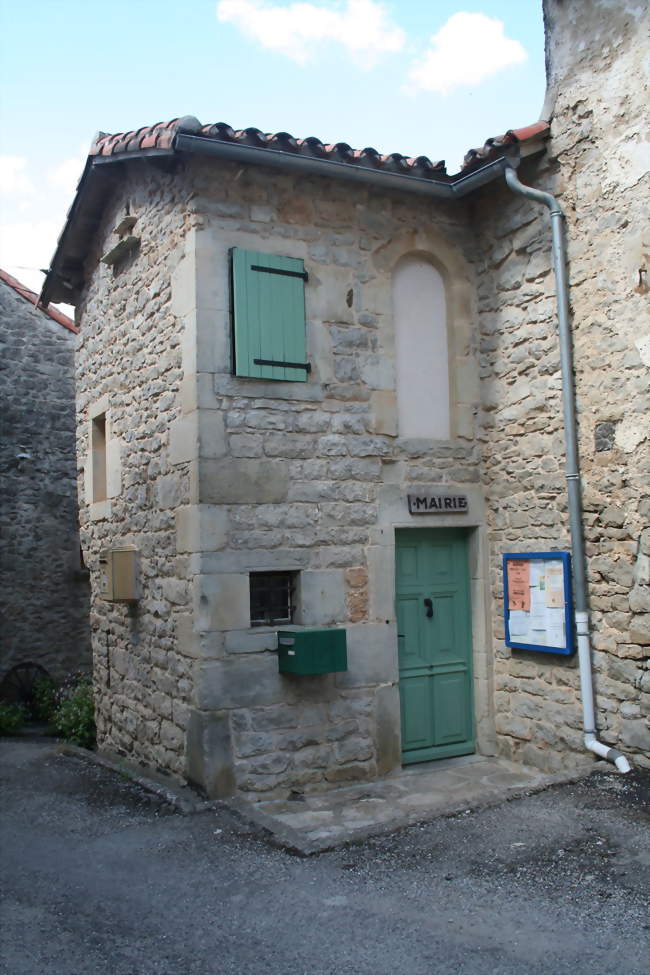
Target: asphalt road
{"type": "Point", "coordinates": [101, 878]}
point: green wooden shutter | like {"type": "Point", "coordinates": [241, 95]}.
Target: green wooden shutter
{"type": "Point", "coordinates": [269, 315]}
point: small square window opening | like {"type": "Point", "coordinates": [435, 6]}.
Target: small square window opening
{"type": "Point", "coordinates": [273, 597]}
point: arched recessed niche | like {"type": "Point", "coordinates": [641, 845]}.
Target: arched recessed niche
{"type": "Point", "coordinates": [422, 349]}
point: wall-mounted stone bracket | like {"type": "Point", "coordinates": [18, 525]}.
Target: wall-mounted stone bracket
{"type": "Point", "coordinates": [121, 250]}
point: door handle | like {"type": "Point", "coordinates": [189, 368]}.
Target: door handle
{"type": "Point", "coordinates": [429, 605]}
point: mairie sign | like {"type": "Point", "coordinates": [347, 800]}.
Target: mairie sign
{"type": "Point", "coordinates": [437, 504]}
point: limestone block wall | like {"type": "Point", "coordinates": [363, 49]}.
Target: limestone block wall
{"type": "Point", "coordinates": [212, 477]}
{"type": "Point", "coordinates": [44, 597]}
{"type": "Point", "coordinates": [595, 165]}
{"type": "Point", "coordinates": [309, 477]}
{"type": "Point", "coordinates": [129, 371]}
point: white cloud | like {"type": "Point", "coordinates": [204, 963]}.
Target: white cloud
{"type": "Point", "coordinates": [66, 175]}
{"type": "Point", "coordinates": [13, 177]}
{"type": "Point", "coordinates": [31, 224]}
{"type": "Point", "coordinates": [26, 246]}
{"type": "Point", "coordinates": [467, 49]}
{"type": "Point", "coordinates": [362, 27]}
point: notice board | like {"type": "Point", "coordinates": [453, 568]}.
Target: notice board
{"type": "Point", "coordinates": [537, 601]}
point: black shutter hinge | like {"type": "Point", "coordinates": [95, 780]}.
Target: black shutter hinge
{"type": "Point", "coordinates": [286, 365]}
{"type": "Point", "coordinates": [278, 270]}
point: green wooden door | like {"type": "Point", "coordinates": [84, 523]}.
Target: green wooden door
{"type": "Point", "coordinates": [435, 643]}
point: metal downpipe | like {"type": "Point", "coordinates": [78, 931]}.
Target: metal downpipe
{"type": "Point", "coordinates": [572, 472]}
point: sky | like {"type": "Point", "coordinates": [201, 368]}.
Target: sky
{"type": "Point", "coordinates": [420, 77]}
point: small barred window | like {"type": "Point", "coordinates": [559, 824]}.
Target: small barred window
{"type": "Point", "coordinates": [272, 597]}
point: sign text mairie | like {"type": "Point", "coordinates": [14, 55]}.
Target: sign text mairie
{"type": "Point", "coordinates": [437, 504]}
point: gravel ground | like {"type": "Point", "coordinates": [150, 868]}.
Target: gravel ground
{"type": "Point", "coordinates": [101, 877]}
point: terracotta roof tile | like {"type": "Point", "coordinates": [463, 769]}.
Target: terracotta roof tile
{"type": "Point", "coordinates": [395, 162]}
{"type": "Point", "coordinates": [32, 297]}
{"type": "Point", "coordinates": [220, 130]}
{"type": "Point", "coordinates": [162, 135]}
{"type": "Point", "coordinates": [492, 148]}
{"type": "Point", "coordinates": [311, 146]}
{"type": "Point", "coordinates": [393, 168]}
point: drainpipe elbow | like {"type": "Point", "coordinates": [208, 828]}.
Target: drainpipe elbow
{"type": "Point", "coordinates": [539, 196]}
{"type": "Point", "coordinates": [604, 751]}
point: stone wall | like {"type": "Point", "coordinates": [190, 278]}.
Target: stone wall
{"type": "Point", "coordinates": [44, 594]}
{"type": "Point", "coordinates": [212, 476]}
{"type": "Point", "coordinates": [129, 368]}
{"type": "Point", "coordinates": [309, 477]}
{"type": "Point", "coordinates": [595, 166]}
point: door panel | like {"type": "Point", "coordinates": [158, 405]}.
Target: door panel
{"type": "Point", "coordinates": [440, 561]}
{"type": "Point", "coordinates": [450, 708]}
{"type": "Point", "coordinates": [409, 629]}
{"type": "Point", "coordinates": [434, 651]}
{"type": "Point", "coordinates": [446, 612]}
{"type": "Point", "coordinates": [415, 698]}
{"type": "Point", "coordinates": [407, 562]}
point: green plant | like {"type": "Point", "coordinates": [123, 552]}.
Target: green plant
{"type": "Point", "coordinates": [44, 699]}
{"type": "Point", "coordinates": [74, 717]}
{"type": "Point", "coordinates": [12, 717]}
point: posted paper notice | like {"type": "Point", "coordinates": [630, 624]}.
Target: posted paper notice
{"type": "Point", "coordinates": [538, 609]}
{"type": "Point", "coordinates": [518, 623]}
{"type": "Point", "coordinates": [555, 635]}
{"type": "Point", "coordinates": [519, 585]}
{"type": "Point", "coordinates": [555, 585]}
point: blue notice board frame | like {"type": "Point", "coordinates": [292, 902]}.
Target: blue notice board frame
{"type": "Point", "coordinates": [525, 642]}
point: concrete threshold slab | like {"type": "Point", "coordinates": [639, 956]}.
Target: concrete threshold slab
{"type": "Point", "coordinates": [413, 795]}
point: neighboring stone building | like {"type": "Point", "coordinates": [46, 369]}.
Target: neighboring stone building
{"type": "Point", "coordinates": [280, 342]}
{"type": "Point", "coordinates": [597, 163]}
{"type": "Point", "coordinates": [44, 594]}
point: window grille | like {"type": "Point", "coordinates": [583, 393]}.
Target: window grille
{"type": "Point", "coordinates": [272, 596]}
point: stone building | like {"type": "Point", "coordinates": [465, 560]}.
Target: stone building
{"type": "Point", "coordinates": [319, 389]}
{"type": "Point", "coordinates": [45, 592]}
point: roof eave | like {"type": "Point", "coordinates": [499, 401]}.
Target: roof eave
{"type": "Point", "coordinates": [278, 158]}
{"type": "Point", "coordinates": [66, 275]}
{"type": "Point", "coordinates": [30, 296]}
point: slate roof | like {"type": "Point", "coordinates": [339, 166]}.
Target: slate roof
{"type": "Point", "coordinates": [32, 297]}
{"type": "Point", "coordinates": [162, 135]}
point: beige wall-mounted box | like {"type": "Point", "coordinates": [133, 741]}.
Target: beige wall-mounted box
{"type": "Point", "coordinates": [118, 574]}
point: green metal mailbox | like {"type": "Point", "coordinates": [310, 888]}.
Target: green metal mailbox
{"type": "Point", "coordinates": [312, 651]}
